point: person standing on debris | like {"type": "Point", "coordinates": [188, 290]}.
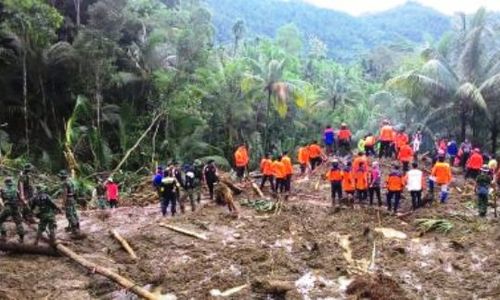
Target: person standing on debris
{"type": "Point", "coordinates": [69, 202]}
{"type": "Point", "coordinates": [315, 155]}
{"type": "Point", "coordinates": [100, 194]}
{"type": "Point", "coordinates": [112, 192]}
{"type": "Point", "coordinates": [369, 146]}
{"type": "Point", "coordinates": [442, 174]}
{"type": "Point", "coordinates": [348, 184]}
{"type": "Point", "coordinates": [360, 159]}
{"type": "Point", "coordinates": [210, 177]}
{"type": "Point", "coordinates": [279, 171]}
{"type": "Point", "coordinates": [483, 184]}
{"type": "Point", "coordinates": [192, 185]}
{"type": "Point", "coordinates": [241, 160]}
{"type": "Point", "coordinates": [303, 158]}
{"type": "Point", "coordinates": [465, 152]}
{"type": "Point", "coordinates": [361, 182]}
{"type": "Point", "coordinates": [400, 140]}
{"type": "Point", "coordinates": [10, 201]}
{"type": "Point", "coordinates": [493, 166]}
{"type": "Point", "coordinates": [452, 151]}
{"type": "Point", "coordinates": [415, 184]}
{"type": "Point", "coordinates": [474, 164]}
{"type": "Point", "coordinates": [416, 142]}
{"type": "Point", "coordinates": [335, 176]}
{"type": "Point", "coordinates": [344, 137]}
{"type": "Point", "coordinates": [287, 162]}
{"type": "Point", "coordinates": [386, 138]}
{"type": "Point", "coordinates": [395, 184]}
{"type": "Point", "coordinates": [157, 178]}
{"type": "Point", "coordinates": [45, 210]}
{"type": "Point", "coordinates": [170, 190]}
{"type": "Point", "coordinates": [329, 139]}
{"type": "Point", "coordinates": [374, 183]}
{"type": "Point", "coordinates": [405, 156]}
{"type": "Point", "coordinates": [266, 168]}
{"type": "Point", "coordinates": [26, 191]}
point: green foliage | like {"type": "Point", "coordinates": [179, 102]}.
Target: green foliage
{"type": "Point", "coordinates": [438, 225]}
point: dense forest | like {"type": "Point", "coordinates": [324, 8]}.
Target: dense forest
{"type": "Point", "coordinates": [82, 80]}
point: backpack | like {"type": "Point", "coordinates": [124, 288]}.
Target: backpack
{"type": "Point", "coordinates": [190, 180]}
{"type": "Point", "coordinates": [168, 185]}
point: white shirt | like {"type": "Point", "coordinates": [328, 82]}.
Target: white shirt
{"type": "Point", "coordinates": [414, 180]}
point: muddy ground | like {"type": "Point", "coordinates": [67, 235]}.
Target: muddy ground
{"type": "Point", "coordinates": [320, 252]}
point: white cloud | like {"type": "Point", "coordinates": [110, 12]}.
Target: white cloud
{"type": "Point", "coordinates": [357, 7]}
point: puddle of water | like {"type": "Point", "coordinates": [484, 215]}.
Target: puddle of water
{"type": "Point", "coordinates": [391, 233]}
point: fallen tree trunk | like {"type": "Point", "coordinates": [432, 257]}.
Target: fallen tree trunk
{"type": "Point", "coordinates": [124, 244]}
{"type": "Point", "coordinates": [271, 286]}
{"type": "Point", "coordinates": [184, 231]}
{"type": "Point", "coordinates": [28, 249]}
{"type": "Point", "coordinates": [124, 282]}
{"type": "Point", "coordinates": [236, 189]}
{"type": "Point", "coordinates": [257, 190]}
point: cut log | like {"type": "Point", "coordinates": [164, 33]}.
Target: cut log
{"type": "Point", "coordinates": [271, 286]}
{"type": "Point", "coordinates": [124, 282]}
{"type": "Point", "coordinates": [124, 244]}
{"type": "Point", "coordinates": [184, 231]}
{"type": "Point", "coordinates": [234, 188]}
{"type": "Point", "coordinates": [28, 249]}
{"type": "Point", "coordinates": [257, 190]}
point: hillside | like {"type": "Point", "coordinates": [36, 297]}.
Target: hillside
{"type": "Point", "coordinates": [346, 36]}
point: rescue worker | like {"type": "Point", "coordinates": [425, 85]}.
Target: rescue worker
{"type": "Point", "coordinates": [370, 141]}
{"type": "Point", "coordinates": [483, 183]}
{"type": "Point", "coordinates": [69, 202]}
{"type": "Point", "coordinates": [395, 184]}
{"type": "Point", "coordinates": [452, 151]}
{"type": "Point", "coordinates": [315, 155]}
{"type": "Point", "coordinates": [493, 166]}
{"type": "Point", "coordinates": [348, 184]}
{"type": "Point", "coordinates": [400, 140]}
{"type": "Point", "coordinates": [344, 137]}
{"type": "Point", "coordinates": [10, 201]}
{"type": "Point", "coordinates": [158, 177]}
{"type": "Point", "coordinates": [174, 171]}
{"type": "Point", "coordinates": [287, 162]}
{"type": "Point", "coordinates": [26, 191]}
{"type": "Point", "coordinates": [210, 177]}
{"type": "Point", "coordinates": [335, 176]}
{"type": "Point", "coordinates": [45, 210]}
{"type": "Point", "coordinates": [241, 160]}
{"type": "Point", "coordinates": [415, 183]}
{"type": "Point", "coordinates": [442, 174]}
{"type": "Point", "coordinates": [474, 164]}
{"type": "Point", "coordinates": [386, 138]}
{"type": "Point", "coordinates": [112, 193]}
{"type": "Point", "coordinates": [465, 152]}
{"type": "Point", "coordinates": [100, 194]}
{"type": "Point", "coordinates": [361, 182]}
{"type": "Point", "coordinates": [374, 183]}
{"type": "Point", "coordinates": [303, 158]}
{"type": "Point", "coordinates": [279, 172]}
{"type": "Point", "coordinates": [266, 168]}
{"type": "Point", "coordinates": [416, 142]}
{"type": "Point", "coordinates": [169, 190]}
{"type": "Point", "coordinates": [192, 184]}
{"type": "Point", "coordinates": [360, 159]}
{"type": "Point", "coordinates": [329, 139]}
{"type": "Point", "coordinates": [405, 156]}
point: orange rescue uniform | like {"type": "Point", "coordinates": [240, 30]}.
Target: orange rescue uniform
{"type": "Point", "coordinates": [315, 151]}
{"type": "Point", "coordinates": [357, 162]}
{"type": "Point", "coordinates": [361, 179]}
{"type": "Point", "coordinates": [405, 154]}
{"type": "Point", "coordinates": [344, 134]}
{"type": "Point", "coordinates": [266, 167]}
{"type": "Point", "coordinates": [241, 157]}
{"type": "Point", "coordinates": [395, 182]}
{"type": "Point", "coordinates": [370, 141]}
{"type": "Point", "coordinates": [386, 134]}
{"type": "Point", "coordinates": [303, 156]}
{"type": "Point", "coordinates": [442, 172]}
{"type": "Point", "coordinates": [401, 140]}
{"type": "Point", "coordinates": [288, 165]}
{"type": "Point", "coordinates": [475, 161]}
{"type": "Point", "coordinates": [279, 170]}
{"type": "Point", "coordinates": [348, 181]}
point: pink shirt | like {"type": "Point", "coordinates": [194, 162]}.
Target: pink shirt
{"type": "Point", "coordinates": [112, 191]}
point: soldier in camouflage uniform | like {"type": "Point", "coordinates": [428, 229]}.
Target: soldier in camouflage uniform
{"type": "Point", "coordinates": [10, 199]}
{"type": "Point", "coordinates": [101, 194]}
{"type": "Point", "coordinates": [192, 184]}
{"type": "Point", "coordinates": [45, 209]}
{"type": "Point", "coordinates": [483, 183]}
{"type": "Point", "coordinates": [69, 202]}
{"type": "Point", "coordinates": [26, 191]}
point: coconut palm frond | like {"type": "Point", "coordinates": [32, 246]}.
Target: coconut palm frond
{"type": "Point", "coordinates": [470, 95]}
{"type": "Point", "coordinates": [490, 89]}
{"type": "Point", "coordinates": [439, 71]}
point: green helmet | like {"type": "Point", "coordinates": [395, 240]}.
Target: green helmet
{"type": "Point", "coordinates": [197, 163]}
{"type": "Point", "coordinates": [8, 181]}
{"type": "Point", "coordinates": [62, 174]}
{"type": "Point", "coordinates": [28, 167]}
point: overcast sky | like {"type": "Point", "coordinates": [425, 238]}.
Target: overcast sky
{"type": "Point", "coordinates": [357, 7]}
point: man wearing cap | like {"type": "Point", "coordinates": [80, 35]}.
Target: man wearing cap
{"type": "Point", "coordinates": [10, 199]}
{"type": "Point", "coordinates": [26, 191]}
{"type": "Point", "coordinates": [335, 176]}
{"type": "Point", "coordinates": [45, 209]}
{"type": "Point", "coordinates": [345, 138]}
{"type": "Point", "coordinates": [483, 183]}
{"type": "Point", "coordinates": [474, 164]}
{"type": "Point", "coordinates": [386, 138]}
{"type": "Point", "coordinates": [441, 172]}
{"type": "Point", "coordinates": [69, 202]}
{"type": "Point", "coordinates": [210, 177]}
{"type": "Point", "coordinates": [112, 192]}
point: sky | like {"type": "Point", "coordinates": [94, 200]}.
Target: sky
{"type": "Point", "coordinates": [358, 7]}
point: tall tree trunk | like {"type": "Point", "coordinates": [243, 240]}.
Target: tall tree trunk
{"type": "Point", "coordinates": [266, 132]}
{"type": "Point", "coordinates": [77, 11]}
{"type": "Point", "coordinates": [98, 98]}
{"type": "Point", "coordinates": [25, 100]}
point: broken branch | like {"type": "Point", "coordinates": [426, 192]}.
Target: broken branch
{"type": "Point", "coordinates": [184, 231]}
{"type": "Point", "coordinates": [124, 244]}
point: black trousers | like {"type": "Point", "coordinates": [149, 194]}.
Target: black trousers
{"type": "Point", "coordinates": [265, 178]}
{"type": "Point", "coordinates": [344, 147]}
{"type": "Point", "coordinates": [370, 150]}
{"type": "Point", "coordinates": [406, 166]}
{"type": "Point", "coordinates": [375, 191]}
{"type": "Point", "coordinates": [385, 149]}
{"type": "Point", "coordinates": [280, 185]}
{"type": "Point", "coordinates": [471, 173]}
{"type": "Point", "coordinates": [362, 195]}
{"type": "Point", "coordinates": [288, 183]}
{"type": "Point", "coordinates": [210, 185]}
{"type": "Point", "coordinates": [396, 195]}
{"type": "Point", "coordinates": [315, 162]}
{"type": "Point", "coordinates": [416, 199]}
{"type": "Point", "coordinates": [303, 168]}
{"type": "Point", "coordinates": [240, 172]}
{"type": "Point", "coordinates": [166, 201]}
{"type": "Point", "coordinates": [336, 190]}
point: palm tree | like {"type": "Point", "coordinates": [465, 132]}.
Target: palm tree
{"type": "Point", "coordinates": [238, 32]}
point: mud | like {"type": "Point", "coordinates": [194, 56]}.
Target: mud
{"type": "Point", "coordinates": [321, 252]}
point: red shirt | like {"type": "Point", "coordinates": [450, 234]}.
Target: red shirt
{"type": "Point", "coordinates": [112, 191]}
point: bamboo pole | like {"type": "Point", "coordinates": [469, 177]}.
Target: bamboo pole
{"type": "Point", "coordinates": [124, 244]}
{"type": "Point", "coordinates": [124, 282]}
{"type": "Point", "coordinates": [184, 231]}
